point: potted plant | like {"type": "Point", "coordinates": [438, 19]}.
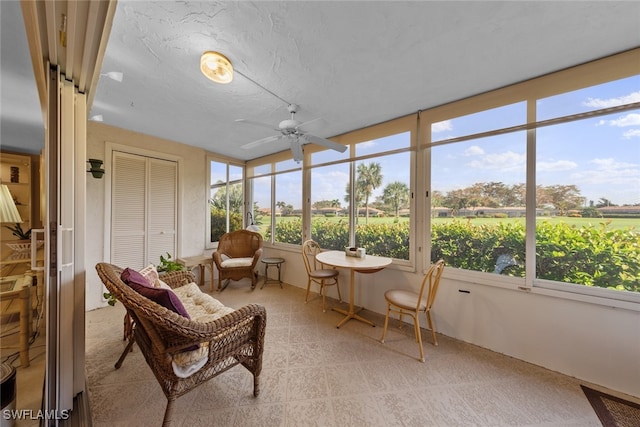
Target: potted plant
{"type": "Point", "coordinates": [24, 238]}
{"type": "Point", "coordinates": [168, 265]}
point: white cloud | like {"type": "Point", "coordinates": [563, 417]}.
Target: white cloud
{"type": "Point", "coordinates": [474, 151]}
{"type": "Point", "coordinates": [502, 161]}
{"type": "Point", "coordinates": [560, 165]}
{"type": "Point", "coordinates": [611, 164]}
{"type": "Point", "coordinates": [632, 119]}
{"type": "Point", "coordinates": [612, 102]}
{"type": "Point", "coordinates": [441, 126]}
{"type": "Point", "coordinates": [329, 185]}
{"type": "Point", "coordinates": [609, 172]}
{"type": "Point", "coordinates": [631, 133]}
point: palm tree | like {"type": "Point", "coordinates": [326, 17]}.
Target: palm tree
{"type": "Point", "coordinates": [396, 194]}
{"type": "Point", "coordinates": [368, 179]}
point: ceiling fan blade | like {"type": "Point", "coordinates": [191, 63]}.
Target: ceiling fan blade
{"type": "Point", "coordinates": [326, 143]}
{"type": "Point", "coordinates": [296, 149]}
{"type": "Point", "coordinates": [251, 122]}
{"type": "Point", "coordinates": [261, 141]}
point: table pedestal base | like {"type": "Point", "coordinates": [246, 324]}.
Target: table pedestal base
{"type": "Point", "coordinates": [351, 315]}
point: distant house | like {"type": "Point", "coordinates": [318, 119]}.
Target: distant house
{"type": "Point", "coordinates": [619, 210]}
{"type": "Point", "coordinates": [372, 212]}
{"type": "Point", "coordinates": [325, 211]}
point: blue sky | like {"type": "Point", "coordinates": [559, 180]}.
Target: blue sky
{"type": "Point", "coordinates": [600, 155]}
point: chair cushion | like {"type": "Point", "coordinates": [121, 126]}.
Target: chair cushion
{"type": "Point", "coordinates": [202, 307]}
{"type": "Point", "coordinates": [165, 297]}
{"type": "Point", "coordinates": [237, 262]}
{"type": "Point", "coordinates": [324, 273]}
{"type": "Point", "coordinates": [404, 299]}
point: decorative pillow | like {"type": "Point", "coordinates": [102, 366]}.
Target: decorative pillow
{"type": "Point", "coordinates": [151, 274]}
{"type": "Point", "coordinates": [130, 277]}
{"type": "Point", "coordinates": [165, 297]}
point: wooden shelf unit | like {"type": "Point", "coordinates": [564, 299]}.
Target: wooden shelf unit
{"type": "Point", "coordinates": [17, 173]}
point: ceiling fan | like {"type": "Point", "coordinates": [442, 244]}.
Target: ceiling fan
{"type": "Point", "coordinates": [291, 129]}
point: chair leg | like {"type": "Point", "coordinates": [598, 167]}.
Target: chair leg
{"type": "Point", "coordinates": [256, 385]}
{"type": "Point", "coordinates": [166, 422]}
{"type": "Point", "coordinates": [306, 298]}
{"type": "Point", "coordinates": [433, 330]}
{"type": "Point", "coordinates": [386, 323]}
{"type": "Point", "coordinates": [324, 299]}
{"type": "Point", "coordinates": [126, 351]}
{"type": "Point", "coordinates": [419, 337]}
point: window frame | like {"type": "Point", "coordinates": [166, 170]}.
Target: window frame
{"type": "Point", "coordinates": [596, 72]}
{"type": "Point", "coordinates": [229, 163]}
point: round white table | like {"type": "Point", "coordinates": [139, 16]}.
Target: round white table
{"type": "Point", "coordinates": [368, 264]}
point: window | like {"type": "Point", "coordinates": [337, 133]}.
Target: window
{"type": "Point", "coordinates": [380, 218]}
{"type": "Point", "coordinates": [226, 199]}
{"type": "Point", "coordinates": [584, 167]}
{"type": "Point", "coordinates": [261, 206]}
{"type": "Point", "coordinates": [588, 176]}
{"type": "Point", "coordinates": [329, 206]}
{"type": "Point", "coordinates": [288, 213]}
{"type": "Point", "coordinates": [275, 194]}
{"type": "Point", "coordinates": [383, 205]}
{"type": "Point", "coordinates": [478, 204]}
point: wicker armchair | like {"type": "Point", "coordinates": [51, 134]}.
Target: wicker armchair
{"type": "Point", "coordinates": [236, 257]}
{"type": "Point", "coordinates": [236, 338]}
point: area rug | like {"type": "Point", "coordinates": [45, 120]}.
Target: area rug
{"type": "Point", "coordinates": [613, 411]}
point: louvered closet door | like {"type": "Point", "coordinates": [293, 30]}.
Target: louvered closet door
{"type": "Point", "coordinates": [162, 202]}
{"type": "Point", "coordinates": [143, 209]}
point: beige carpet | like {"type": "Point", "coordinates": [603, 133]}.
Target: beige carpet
{"type": "Point", "coordinates": [317, 375]}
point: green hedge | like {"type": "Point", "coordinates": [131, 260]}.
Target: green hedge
{"type": "Point", "coordinates": [219, 222]}
{"type": "Point", "coordinates": [592, 256]}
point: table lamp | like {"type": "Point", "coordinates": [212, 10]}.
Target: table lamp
{"type": "Point", "coordinates": [8, 210]}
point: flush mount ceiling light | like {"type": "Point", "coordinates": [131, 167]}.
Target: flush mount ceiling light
{"type": "Point", "coordinates": [217, 67]}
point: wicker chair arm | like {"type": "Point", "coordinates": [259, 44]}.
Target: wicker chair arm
{"type": "Point", "coordinates": [256, 257]}
{"type": "Point", "coordinates": [217, 257]}
{"type": "Point", "coordinates": [252, 318]}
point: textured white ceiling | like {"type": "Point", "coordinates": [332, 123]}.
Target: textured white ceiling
{"type": "Point", "coordinates": [351, 63]}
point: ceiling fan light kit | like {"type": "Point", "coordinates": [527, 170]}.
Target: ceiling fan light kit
{"type": "Point", "coordinates": [216, 67]}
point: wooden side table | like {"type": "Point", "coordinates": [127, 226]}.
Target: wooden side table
{"type": "Point", "coordinates": [200, 261]}
{"type": "Point", "coordinates": [271, 262]}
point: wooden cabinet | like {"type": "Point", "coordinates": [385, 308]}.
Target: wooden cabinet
{"type": "Point", "coordinates": [21, 174]}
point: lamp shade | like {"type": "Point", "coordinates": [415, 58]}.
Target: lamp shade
{"type": "Point", "coordinates": [8, 210]}
{"type": "Point", "coordinates": [217, 67]}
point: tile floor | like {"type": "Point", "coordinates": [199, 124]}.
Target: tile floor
{"type": "Point", "coordinates": [317, 375]}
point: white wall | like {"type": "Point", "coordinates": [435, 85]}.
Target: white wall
{"type": "Point", "coordinates": [192, 197]}
{"type": "Point", "coordinates": [591, 342]}
{"type": "Point", "coordinates": [594, 343]}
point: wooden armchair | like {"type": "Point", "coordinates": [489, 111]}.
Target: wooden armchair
{"type": "Point", "coordinates": [236, 257]}
{"type": "Point", "coordinates": [164, 336]}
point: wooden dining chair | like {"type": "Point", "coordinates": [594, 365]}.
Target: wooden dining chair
{"type": "Point", "coordinates": [402, 301]}
{"type": "Point", "coordinates": [316, 272]}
